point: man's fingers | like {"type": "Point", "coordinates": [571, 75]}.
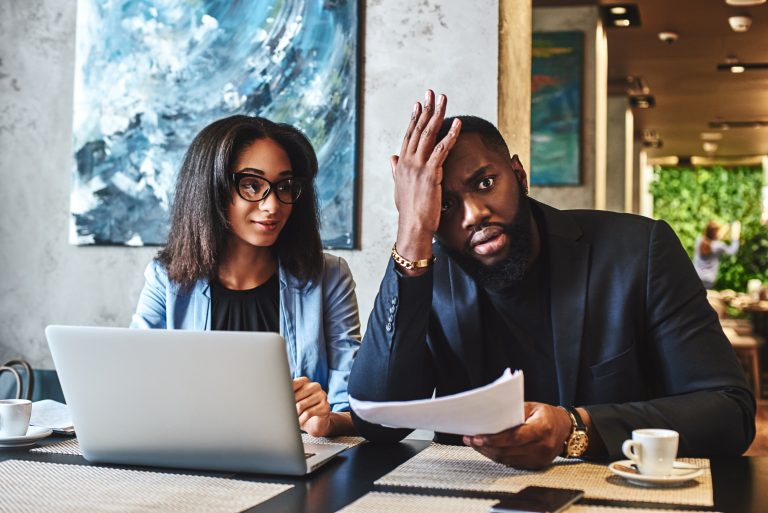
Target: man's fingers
{"type": "Point", "coordinates": [393, 162]}
{"type": "Point", "coordinates": [441, 150]}
{"type": "Point", "coordinates": [415, 113]}
{"type": "Point", "coordinates": [429, 134]}
{"type": "Point", "coordinates": [426, 115]}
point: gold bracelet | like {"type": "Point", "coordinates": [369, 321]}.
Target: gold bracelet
{"type": "Point", "coordinates": [411, 264]}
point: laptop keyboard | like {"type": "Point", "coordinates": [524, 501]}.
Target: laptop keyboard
{"type": "Point", "coordinates": [308, 455]}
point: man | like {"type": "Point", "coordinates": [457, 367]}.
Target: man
{"type": "Point", "coordinates": [602, 311]}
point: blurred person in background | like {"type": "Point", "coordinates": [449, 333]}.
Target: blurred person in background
{"type": "Point", "coordinates": [709, 248]}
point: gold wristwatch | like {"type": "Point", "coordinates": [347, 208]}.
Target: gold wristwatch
{"type": "Point", "coordinates": [577, 442]}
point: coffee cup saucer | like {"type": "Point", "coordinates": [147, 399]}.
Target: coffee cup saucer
{"type": "Point", "coordinates": [34, 433]}
{"type": "Point", "coordinates": [681, 473]}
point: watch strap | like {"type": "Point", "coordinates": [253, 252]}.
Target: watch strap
{"type": "Point", "coordinates": [577, 442]}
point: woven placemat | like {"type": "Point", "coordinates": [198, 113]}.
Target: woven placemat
{"type": "Point", "coordinates": [33, 486]}
{"type": "Point", "coordinates": [463, 468]}
{"type": "Point", "coordinates": [382, 502]}
{"type": "Point", "coordinates": [72, 447]}
{"type": "Point", "coordinates": [349, 441]}
{"type": "Point", "coordinates": [69, 446]}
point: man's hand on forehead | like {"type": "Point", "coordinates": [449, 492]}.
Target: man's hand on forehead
{"type": "Point", "coordinates": [418, 173]}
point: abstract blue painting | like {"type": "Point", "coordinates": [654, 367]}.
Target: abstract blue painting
{"type": "Point", "coordinates": [149, 74]}
{"type": "Point", "coordinates": [556, 91]}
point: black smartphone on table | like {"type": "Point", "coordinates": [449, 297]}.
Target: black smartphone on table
{"type": "Point", "coordinates": [538, 499]}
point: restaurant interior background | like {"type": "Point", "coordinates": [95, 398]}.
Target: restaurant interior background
{"type": "Point", "coordinates": [674, 100]}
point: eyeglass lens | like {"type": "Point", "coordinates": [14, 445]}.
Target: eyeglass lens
{"type": "Point", "coordinates": [256, 188]}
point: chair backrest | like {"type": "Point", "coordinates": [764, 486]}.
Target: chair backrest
{"type": "Point", "coordinates": [23, 377]}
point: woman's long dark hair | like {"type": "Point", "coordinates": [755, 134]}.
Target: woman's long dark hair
{"type": "Point", "coordinates": [199, 226]}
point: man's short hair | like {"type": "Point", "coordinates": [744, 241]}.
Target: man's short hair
{"type": "Point", "coordinates": [488, 133]}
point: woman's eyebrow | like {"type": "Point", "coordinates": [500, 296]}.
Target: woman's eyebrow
{"type": "Point", "coordinates": [259, 172]}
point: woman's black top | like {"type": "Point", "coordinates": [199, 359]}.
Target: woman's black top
{"type": "Point", "coordinates": [256, 309]}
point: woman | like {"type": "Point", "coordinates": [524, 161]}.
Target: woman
{"type": "Point", "coordinates": [709, 249]}
{"type": "Point", "coordinates": [244, 253]}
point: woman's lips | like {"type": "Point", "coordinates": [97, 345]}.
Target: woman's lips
{"type": "Point", "coordinates": [267, 226]}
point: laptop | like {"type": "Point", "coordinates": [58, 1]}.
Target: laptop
{"type": "Point", "coordinates": [209, 400]}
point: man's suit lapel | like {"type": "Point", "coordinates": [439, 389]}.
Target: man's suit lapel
{"type": "Point", "coordinates": [462, 318]}
{"type": "Point", "coordinates": [569, 271]}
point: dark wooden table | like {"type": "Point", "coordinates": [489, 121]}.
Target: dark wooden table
{"type": "Point", "coordinates": [740, 483]}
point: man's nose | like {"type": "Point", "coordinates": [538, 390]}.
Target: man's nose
{"type": "Point", "coordinates": [476, 213]}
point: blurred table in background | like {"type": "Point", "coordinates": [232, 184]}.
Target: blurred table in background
{"type": "Point", "coordinates": [746, 333]}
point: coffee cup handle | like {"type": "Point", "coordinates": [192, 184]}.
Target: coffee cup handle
{"type": "Point", "coordinates": [629, 448]}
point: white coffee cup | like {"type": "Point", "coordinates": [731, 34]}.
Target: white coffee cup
{"type": "Point", "coordinates": [14, 417]}
{"type": "Point", "coordinates": [652, 450]}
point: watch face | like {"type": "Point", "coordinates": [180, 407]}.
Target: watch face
{"type": "Point", "coordinates": [577, 444]}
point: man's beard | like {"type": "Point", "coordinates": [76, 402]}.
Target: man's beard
{"type": "Point", "coordinates": [511, 270]}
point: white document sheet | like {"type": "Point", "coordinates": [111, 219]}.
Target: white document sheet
{"type": "Point", "coordinates": [485, 410]}
{"type": "Point", "coordinates": [52, 414]}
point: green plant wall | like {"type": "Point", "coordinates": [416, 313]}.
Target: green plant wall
{"type": "Point", "coordinates": [687, 198]}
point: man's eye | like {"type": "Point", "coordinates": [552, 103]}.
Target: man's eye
{"type": "Point", "coordinates": [486, 183]}
{"type": "Point", "coordinates": [446, 206]}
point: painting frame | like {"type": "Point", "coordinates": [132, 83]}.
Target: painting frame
{"type": "Point", "coordinates": [122, 197]}
{"type": "Point", "coordinates": [557, 105]}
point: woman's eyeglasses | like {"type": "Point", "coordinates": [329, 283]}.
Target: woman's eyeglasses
{"type": "Point", "coordinates": [255, 188]}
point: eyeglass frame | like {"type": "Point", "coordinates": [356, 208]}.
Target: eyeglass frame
{"type": "Point", "coordinates": [238, 176]}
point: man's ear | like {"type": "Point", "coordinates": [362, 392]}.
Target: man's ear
{"type": "Point", "coordinates": [519, 170]}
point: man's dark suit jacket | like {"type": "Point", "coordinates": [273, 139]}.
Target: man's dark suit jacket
{"type": "Point", "coordinates": [635, 340]}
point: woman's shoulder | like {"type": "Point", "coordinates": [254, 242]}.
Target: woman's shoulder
{"type": "Point", "coordinates": [156, 275]}
{"type": "Point", "coordinates": [334, 263]}
{"type": "Point", "coordinates": [334, 270]}
{"type": "Point", "coordinates": [156, 269]}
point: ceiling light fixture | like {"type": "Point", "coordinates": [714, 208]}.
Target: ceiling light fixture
{"type": "Point", "coordinates": [740, 67]}
{"type": "Point", "coordinates": [744, 3]}
{"type": "Point", "coordinates": [668, 37]}
{"type": "Point", "coordinates": [726, 125]}
{"type": "Point", "coordinates": [740, 23]}
{"type": "Point", "coordinates": [620, 15]}
{"type": "Point", "coordinates": [636, 85]}
{"type": "Point", "coordinates": [651, 138]}
{"type": "Point", "coordinates": [642, 101]}
{"type": "Point", "coordinates": [709, 146]}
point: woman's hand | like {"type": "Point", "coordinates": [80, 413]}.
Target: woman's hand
{"type": "Point", "coordinates": [312, 407]}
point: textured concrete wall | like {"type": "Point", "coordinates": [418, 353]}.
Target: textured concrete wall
{"type": "Point", "coordinates": [591, 192]}
{"type": "Point", "coordinates": [409, 46]}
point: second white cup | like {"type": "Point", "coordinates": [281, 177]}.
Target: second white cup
{"type": "Point", "coordinates": [652, 450]}
{"type": "Point", "coordinates": [14, 417]}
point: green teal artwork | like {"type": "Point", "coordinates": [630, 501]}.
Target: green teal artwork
{"type": "Point", "coordinates": [556, 108]}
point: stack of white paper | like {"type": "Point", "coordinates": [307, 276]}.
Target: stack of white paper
{"type": "Point", "coordinates": [485, 410]}
{"type": "Point", "coordinates": [52, 414]}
